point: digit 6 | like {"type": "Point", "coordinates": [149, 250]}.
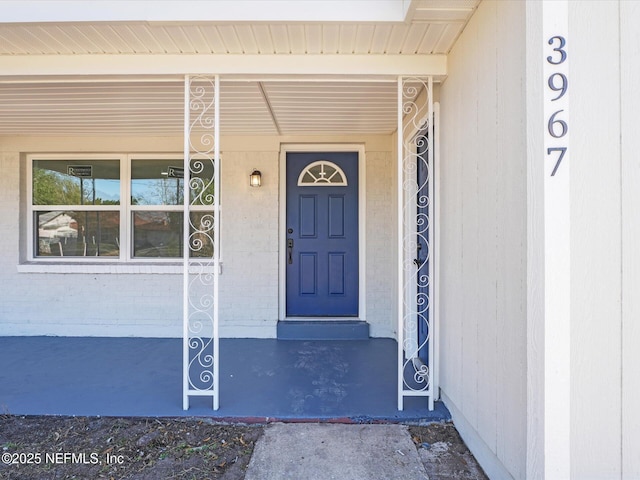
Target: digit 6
{"type": "Point", "coordinates": [551, 126]}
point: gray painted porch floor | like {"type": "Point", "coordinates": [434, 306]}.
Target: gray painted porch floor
{"type": "Point", "coordinates": [260, 380]}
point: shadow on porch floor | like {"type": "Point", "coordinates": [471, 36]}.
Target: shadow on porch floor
{"type": "Point", "coordinates": [260, 380]}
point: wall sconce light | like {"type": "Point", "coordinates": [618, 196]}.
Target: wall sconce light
{"type": "Point", "coordinates": [255, 179]}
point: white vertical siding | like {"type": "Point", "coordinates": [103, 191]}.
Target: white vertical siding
{"type": "Point", "coordinates": [511, 238]}
{"type": "Point", "coordinates": [473, 127]}
{"type": "Point", "coordinates": [593, 46]}
{"type": "Point", "coordinates": [483, 237]}
{"type": "Point", "coordinates": [536, 400]}
{"type": "Point", "coordinates": [488, 170]}
{"type": "Point", "coordinates": [630, 175]}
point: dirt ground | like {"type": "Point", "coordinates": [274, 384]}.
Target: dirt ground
{"type": "Point", "coordinates": [56, 448]}
{"type": "Point", "coordinates": [444, 454]}
{"type": "Point", "coordinates": [123, 448]}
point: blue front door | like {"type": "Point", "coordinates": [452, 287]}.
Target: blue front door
{"type": "Point", "coordinates": [322, 234]}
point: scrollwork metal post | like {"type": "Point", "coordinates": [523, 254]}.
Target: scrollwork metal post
{"type": "Point", "coordinates": [415, 239]}
{"type": "Point", "coordinates": [201, 234]}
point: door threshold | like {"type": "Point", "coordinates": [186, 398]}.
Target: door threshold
{"type": "Point", "coordinates": [322, 329]}
{"type": "Point", "coordinates": [321, 319]}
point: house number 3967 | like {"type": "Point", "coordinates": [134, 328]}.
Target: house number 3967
{"type": "Point", "coordinates": [558, 84]}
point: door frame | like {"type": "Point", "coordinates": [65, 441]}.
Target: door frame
{"type": "Point", "coordinates": [282, 229]}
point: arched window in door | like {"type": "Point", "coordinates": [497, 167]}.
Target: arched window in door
{"type": "Point", "coordinates": [322, 173]}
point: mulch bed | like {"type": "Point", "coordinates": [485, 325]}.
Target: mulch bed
{"type": "Point", "coordinates": [45, 447]}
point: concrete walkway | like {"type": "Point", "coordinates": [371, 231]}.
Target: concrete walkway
{"type": "Point", "coordinates": [334, 451]}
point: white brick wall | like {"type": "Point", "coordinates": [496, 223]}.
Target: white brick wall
{"type": "Point", "coordinates": [116, 303]}
{"type": "Point", "coordinates": [381, 244]}
{"type": "Point", "coordinates": [249, 283]}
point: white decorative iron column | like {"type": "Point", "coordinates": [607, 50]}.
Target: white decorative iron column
{"type": "Point", "coordinates": [416, 261]}
{"type": "Point", "coordinates": [201, 239]}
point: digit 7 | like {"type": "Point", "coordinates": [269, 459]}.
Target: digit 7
{"type": "Point", "coordinates": [562, 151]}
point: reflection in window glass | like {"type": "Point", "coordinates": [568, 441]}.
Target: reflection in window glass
{"type": "Point", "coordinates": [159, 234]}
{"type": "Point", "coordinates": [161, 182]}
{"type": "Point", "coordinates": [77, 234]}
{"type": "Point", "coordinates": [76, 182]}
{"type": "Point", "coordinates": [76, 207]}
{"type": "Point", "coordinates": [156, 182]}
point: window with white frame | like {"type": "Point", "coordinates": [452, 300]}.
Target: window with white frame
{"type": "Point", "coordinates": [116, 207]}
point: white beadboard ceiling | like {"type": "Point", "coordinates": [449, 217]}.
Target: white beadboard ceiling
{"type": "Point", "coordinates": [103, 107]}
{"type": "Point", "coordinates": [157, 108]}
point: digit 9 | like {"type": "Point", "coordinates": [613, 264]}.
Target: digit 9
{"type": "Point", "coordinates": [562, 88]}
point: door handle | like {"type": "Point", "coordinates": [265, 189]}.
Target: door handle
{"type": "Point", "coordinates": [290, 250]}
{"type": "Point", "coordinates": [418, 261]}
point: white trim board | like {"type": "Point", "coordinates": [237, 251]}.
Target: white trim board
{"type": "Point", "coordinates": [385, 65]}
{"type": "Point", "coordinates": [282, 230]}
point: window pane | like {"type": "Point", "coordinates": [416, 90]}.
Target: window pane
{"type": "Point", "coordinates": [156, 182]}
{"type": "Point", "coordinates": [159, 234]}
{"type": "Point", "coordinates": [161, 182]}
{"type": "Point", "coordinates": [77, 234]}
{"type": "Point", "coordinates": [76, 182]}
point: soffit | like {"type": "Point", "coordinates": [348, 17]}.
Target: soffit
{"type": "Point", "coordinates": [430, 27]}
{"type": "Point", "coordinates": [248, 39]}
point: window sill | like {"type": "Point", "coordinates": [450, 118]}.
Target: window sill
{"type": "Point", "coordinates": [172, 268]}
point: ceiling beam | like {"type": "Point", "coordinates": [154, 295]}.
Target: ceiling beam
{"type": "Point", "coordinates": [381, 66]}
{"type": "Point", "coordinates": [267, 102]}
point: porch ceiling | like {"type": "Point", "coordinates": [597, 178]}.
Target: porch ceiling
{"type": "Point", "coordinates": [157, 108]}
{"type": "Point", "coordinates": [73, 100]}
